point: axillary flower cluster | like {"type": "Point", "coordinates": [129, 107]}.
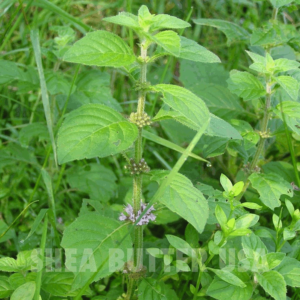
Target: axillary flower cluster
{"type": "Point", "coordinates": [137, 168]}
{"type": "Point", "coordinates": [130, 216]}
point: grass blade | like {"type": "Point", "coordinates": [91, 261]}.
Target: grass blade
{"type": "Point", "coordinates": [34, 34]}
{"type": "Point", "coordinates": [38, 279]}
{"type": "Point", "coordinates": [7, 36]}
{"type": "Point", "coordinates": [37, 222]}
{"type": "Point", "coordinates": [156, 139]}
{"type": "Point", "coordinates": [83, 28]}
{"type": "Point", "coordinates": [16, 219]}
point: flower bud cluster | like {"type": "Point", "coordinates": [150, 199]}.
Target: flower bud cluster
{"type": "Point", "coordinates": [130, 216]}
{"type": "Point", "coordinates": [137, 168]}
{"type": "Point", "coordinates": [140, 120]}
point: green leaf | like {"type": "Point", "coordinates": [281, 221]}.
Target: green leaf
{"type": "Point", "coordinates": [25, 261]}
{"type": "Point", "coordinates": [291, 110]}
{"type": "Point", "coordinates": [155, 252]}
{"type": "Point", "coordinates": [5, 287]}
{"type": "Point", "coordinates": [274, 259]}
{"type": "Point", "coordinates": [185, 102]}
{"type": "Point", "coordinates": [168, 40]}
{"type": "Point", "coordinates": [191, 50]}
{"type": "Point", "coordinates": [290, 270]}
{"type": "Point", "coordinates": [94, 130]}
{"type": "Point", "coordinates": [279, 3]}
{"type": "Point", "coordinates": [245, 85]}
{"type": "Point", "coordinates": [284, 65]}
{"type": "Point", "coordinates": [24, 292]}
{"type": "Point", "coordinates": [167, 259]}
{"type": "Point", "coordinates": [124, 19]}
{"type": "Point", "coordinates": [264, 37]}
{"type": "Point", "coordinates": [32, 130]}
{"type": "Point", "coordinates": [251, 205]}
{"type": "Point", "coordinates": [228, 277]}
{"type": "Point", "coordinates": [182, 266]}
{"type": "Point", "coordinates": [233, 32]}
{"type": "Point", "coordinates": [217, 126]}
{"type": "Point", "coordinates": [184, 199]}
{"type": "Point", "coordinates": [226, 183]}
{"type": "Point", "coordinates": [101, 48]}
{"type": "Point", "coordinates": [290, 207]}
{"type": "Point", "coordinates": [58, 84]}
{"type": "Point", "coordinates": [96, 180]}
{"type": "Point", "coordinates": [145, 18]}
{"type": "Point", "coordinates": [237, 188]}
{"type": "Point", "coordinates": [223, 290]}
{"type": "Point", "coordinates": [93, 86]}
{"type": "Point", "coordinates": [181, 245]}
{"type": "Point", "coordinates": [270, 187]}
{"type": "Point", "coordinates": [151, 289]}
{"type": "Point", "coordinates": [191, 236]}
{"type": "Point", "coordinates": [88, 240]}
{"type": "Point", "coordinates": [246, 221]}
{"type": "Point", "coordinates": [218, 99]}
{"type": "Point", "coordinates": [60, 284]}
{"type": "Point", "coordinates": [259, 64]}
{"type": "Point", "coordinates": [273, 283]}
{"type": "Point", "coordinates": [221, 216]}
{"type": "Point", "coordinates": [162, 21]}
{"type": "Point", "coordinates": [221, 128]}
{"type": "Point", "coordinates": [290, 85]}
{"type": "Point", "coordinates": [9, 72]}
{"type": "Point", "coordinates": [253, 247]}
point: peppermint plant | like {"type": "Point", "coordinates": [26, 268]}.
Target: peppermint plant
{"type": "Point", "coordinates": [95, 130]}
{"type": "Point", "coordinates": [93, 205]}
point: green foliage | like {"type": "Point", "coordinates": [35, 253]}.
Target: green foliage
{"type": "Point", "coordinates": [114, 51]}
{"type": "Point", "coordinates": [233, 32]}
{"type": "Point", "coordinates": [245, 85]}
{"type": "Point", "coordinates": [184, 102]}
{"type": "Point", "coordinates": [270, 187]}
{"type": "Point", "coordinates": [94, 130]}
{"type": "Point", "coordinates": [222, 221]}
{"type": "Point", "coordinates": [92, 245]}
{"type": "Point", "coordinates": [184, 199]}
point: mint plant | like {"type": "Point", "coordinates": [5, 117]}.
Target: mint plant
{"type": "Point", "coordinates": [96, 131]}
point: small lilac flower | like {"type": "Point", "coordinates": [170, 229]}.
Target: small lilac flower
{"type": "Point", "coordinates": [295, 187]}
{"type": "Point", "coordinates": [130, 216]}
{"type": "Point", "coordinates": [122, 217]}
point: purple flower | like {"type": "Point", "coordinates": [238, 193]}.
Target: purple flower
{"type": "Point", "coordinates": [130, 216]}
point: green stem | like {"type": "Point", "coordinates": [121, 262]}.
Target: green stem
{"type": "Point", "coordinates": [198, 285]}
{"type": "Point", "coordinates": [130, 290]}
{"type": "Point", "coordinates": [222, 242]}
{"type": "Point", "coordinates": [40, 271]}
{"type": "Point", "coordinates": [261, 143]}
{"type": "Point", "coordinates": [138, 179]}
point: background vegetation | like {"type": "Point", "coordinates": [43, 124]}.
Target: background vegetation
{"type": "Point", "coordinates": [30, 179]}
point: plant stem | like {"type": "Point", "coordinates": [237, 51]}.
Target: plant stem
{"type": "Point", "coordinates": [222, 242]}
{"type": "Point", "coordinates": [138, 179]}
{"type": "Point", "coordinates": [261, 143]}
{"type": "Point", "coordinates": [197, 285]}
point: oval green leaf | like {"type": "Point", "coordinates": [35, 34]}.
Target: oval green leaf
{"type": "Point", "coordinates": [94, 130]}
{"type": "Point", "coordinates": [101, 48]}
